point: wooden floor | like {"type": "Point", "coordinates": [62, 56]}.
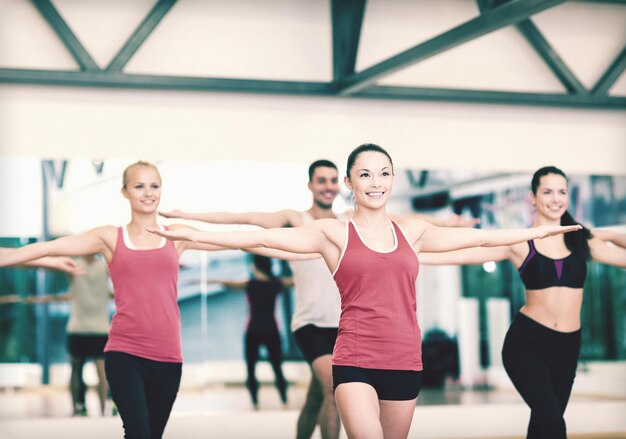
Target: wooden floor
{"type": "Point", "coordinates": [225, 412]}
{"type": "Point", "coordinates": [579, 436]}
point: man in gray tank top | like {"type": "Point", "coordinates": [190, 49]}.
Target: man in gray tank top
{"type": "Point", "coordinates": [317, 307]}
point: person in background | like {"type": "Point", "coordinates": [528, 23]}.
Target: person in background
{"type": "Point", "coordinates": [261, 290]}
{"type": "Point", "coordinates": [87, 327]}
{"type": "Point", "coordinates": [59, 263]}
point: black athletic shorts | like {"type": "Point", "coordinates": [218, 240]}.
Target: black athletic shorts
{"type": "Point", "coordinates": [80, 345]}
{"type": "Point", "coordinates": [390, 385]}
{"type": "Point", "coordinates": [315, 342]}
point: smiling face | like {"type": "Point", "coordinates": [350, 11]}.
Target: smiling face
{"type": "Point", "coordinates": [552, 197]}
{"type": "Point", "coordinates": [324, 186]}
{"type": "Point", "coordinates": [142, 188]}
{"type": "Point", "coordinates": [371, 179]}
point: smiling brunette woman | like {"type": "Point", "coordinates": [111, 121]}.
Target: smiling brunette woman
{"type": "Point", "coordinates": [374, 263]}
{"type": "Point", "coordinates": [541, 348]}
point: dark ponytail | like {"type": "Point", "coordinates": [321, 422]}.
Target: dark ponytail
{"type": "Point", "coordinates": [576, 242]}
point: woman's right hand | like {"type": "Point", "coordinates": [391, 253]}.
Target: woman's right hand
{"type": "Point", "coordinates": [173, 235]}
{"type": "Point", "coordinates": [68, 265]}
{"type": "Point", "coordinates": [176, 213]}
{"type": "Point", "coordinates": [550, 230]}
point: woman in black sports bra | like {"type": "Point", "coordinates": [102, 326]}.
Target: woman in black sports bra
{"type": "Point", "coordinates": [540, 351]}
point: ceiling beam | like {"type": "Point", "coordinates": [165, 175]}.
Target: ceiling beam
{"type": "Point", "coordinates": [587, 101]}
{"type": "Point", "coordinates": [103, 79]}
{"type": "Point", "coordinates": [63, 31]}
{"type": "Point", "coordinates": [613, 2]}
{"type": "Point", "coordinates": [535, 38]}
{"type": "Point", "coordinates": [571, 83]}
{"type": "Point", "coordinates": [611, 75]}
{"type": "Point", "coordinates": [494, 19]}
{"type": "Point", "coordinates": [347, 19]}
{"type": "Point", "coordinates": [149, 23]}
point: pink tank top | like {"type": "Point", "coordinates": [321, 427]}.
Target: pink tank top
{"type": "Point", "coordinates": [378, 326]}
{"type": "Point", "coordinates": [147, 319]}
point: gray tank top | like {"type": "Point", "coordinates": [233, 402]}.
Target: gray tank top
{"type": "Point", "coordinates": [90, 298]}
{"type": "Point", "coordinates": [317, 297]}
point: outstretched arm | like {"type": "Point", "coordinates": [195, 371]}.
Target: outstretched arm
{"type": "Point", "coordinates": [466, 256]}
{"type": "Point", "coordinates": [75, 245]}
{"type": "Point", "coordinates": [281, 254]}
{"type": "Point", "coordinates": [269, 252]}
{"type": "Point", "coordinates": [61, 263]}
{"type": "Point", "coordinates": [263, 251]}
{"type": "Point", "coordinates": [453, 220]}
{"type": "Point", "coordinates": [267, 220]}
{"type": "Point", "coordinates": [48, 298]}
{"type": "Point", "coordinates": [306, 239]}
{"type": "Point", "coordinates": [12, 298]}
{"type": "Point", "coordinates": [610, 255]}
{"type": "Point", "coordinates": [441, 239]}
{"type": "Point", "coordinates": [617, 238]}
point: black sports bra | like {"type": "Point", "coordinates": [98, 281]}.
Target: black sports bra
{"type": "Point", "coordinates": [539, 271]}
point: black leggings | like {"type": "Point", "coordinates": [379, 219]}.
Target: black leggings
{"type": "Point", "coordinates": [271, 339]}
{"type": "Point", "coordinates": [81, 347]}
{"type": "Point", "coordinates": [78, 387]}
{"type": "Point", "coordinates": [541, 363]}
{"type": "Point", "coordinates": [143, 391]}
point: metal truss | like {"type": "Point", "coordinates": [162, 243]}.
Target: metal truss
{"type": "Point", "coordinates": [347, 18]}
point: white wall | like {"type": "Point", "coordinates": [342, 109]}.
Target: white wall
{"type": "Point", "coordinates": [21, 210]}
{"type": "Point", "coordinates": [60, 122]}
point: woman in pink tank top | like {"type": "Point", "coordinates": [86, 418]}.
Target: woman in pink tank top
{"type": "Point", "coordinates": [377, 356]}
{"type": "Point", "coordinates": [143, 356]}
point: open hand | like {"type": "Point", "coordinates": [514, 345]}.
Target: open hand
{"type": "Point", "coordinates": [176, 213]}
{"type": "Point", "coordinates": [547, 230]}
{"type": "Point", "coordinates": [172, 235]}
{"type": "Point", "coordinates": [69, 266]}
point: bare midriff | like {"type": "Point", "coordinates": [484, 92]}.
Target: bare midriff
{"type": "Point", "coordinates": [558, 308]}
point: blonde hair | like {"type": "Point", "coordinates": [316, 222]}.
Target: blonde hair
{"type": "Point", "coordinates": [126, 174]}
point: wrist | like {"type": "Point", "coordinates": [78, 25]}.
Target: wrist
{"type": "Point", "coordinates": [538, 233]}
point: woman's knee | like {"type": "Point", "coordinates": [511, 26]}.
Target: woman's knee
{"type": "Point", "coordinates": [329, 396]}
